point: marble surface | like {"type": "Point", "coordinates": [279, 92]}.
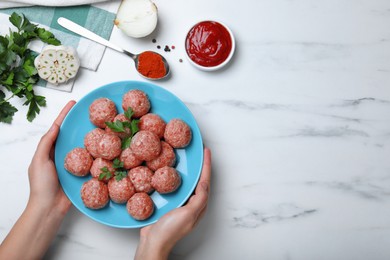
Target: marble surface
{"type": "Point", "coordinates": [298, 124]}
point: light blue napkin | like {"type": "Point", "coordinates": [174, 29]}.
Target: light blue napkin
{"type": "Point", "coordinates": [96, 19]}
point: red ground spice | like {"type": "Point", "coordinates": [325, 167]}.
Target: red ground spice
{"type": "Point", "coordinates": [151, 65]}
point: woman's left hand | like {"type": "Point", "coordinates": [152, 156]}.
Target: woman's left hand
{"type": "Point", "coordinates": [35, 229]}
{"type": "Point", "coordinates": [45, 190]}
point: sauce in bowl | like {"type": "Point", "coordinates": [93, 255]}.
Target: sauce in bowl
{"type": "Point", "coordinates": [209, 43]}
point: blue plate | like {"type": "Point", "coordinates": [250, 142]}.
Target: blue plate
{"type": "Point", "coordinates": [76, 125]}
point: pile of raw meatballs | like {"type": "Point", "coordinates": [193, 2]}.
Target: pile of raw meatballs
{"type": "Point", "coordinates": [146, 165]}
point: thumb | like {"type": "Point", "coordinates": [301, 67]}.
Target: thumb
{"type": "Point", "coordinates": [47, 141]}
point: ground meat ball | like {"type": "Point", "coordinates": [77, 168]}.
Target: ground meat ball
{"type": "Point", "coordinates": [141, 177]}
{"type": "Point", "coordinates": [166, 180]}
{"type": "Point", "coordinates": [167, 157]}
{"type": "Point", "coordinates": [129, 160]}
{"type": "Point", "coordinates": [78, 162]}
{"type": "Point", "coordinates": [153, 123]}
{"type": "Point", "coordinates": [109, 147]}
{"type": "Point", "coordinates": [177, 133]}
{"type": "Point", "coordinates": [145, 145]}
{"type": "Point", "coordinates": [102, 110]}
{"type": "Point", "coordinates": [91, 141]}
{"type": "Point", "coordinates": [140, 206]}
{"type": "Point", "coordinates": [120, 191]}
{"type": "Point", "coordinates": [138, 101]}
{"type": "Point", "coordinates": [94, 194]}
{"type": "Point", "coordinates": [97, 166]}
{"type": "Point", "coordinates": [122, 135]}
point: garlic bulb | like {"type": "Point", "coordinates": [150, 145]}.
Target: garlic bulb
{"type": "Point", "coordinates": [57, 64]}
{"type": "Point", "coordinates": [137, 18]}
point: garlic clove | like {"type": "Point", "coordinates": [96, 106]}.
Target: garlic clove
{"type": "Point", "coordinates": [44, 73]}
{"type": "Point", "coordinates": [52, 78]}
{"type": "Point", "coordinates": [70, 73]}
{"type": "Point", "coordinates": [61, 55]}
{"type": "Point", "coordinates": [61, 78]}
{"type": "Point", "coordinates": [73, 66]}
{"type": "Point", "coordinates": [50, 55]}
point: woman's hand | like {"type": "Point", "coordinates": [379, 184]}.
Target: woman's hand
{"type": "Point", "coordinates": [34, 231]}
{"type": "Point", "coordinates": [45, 190]}
{"type": "Point", "coordinates": [157, 240]}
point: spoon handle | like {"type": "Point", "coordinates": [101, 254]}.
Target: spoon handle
{"type": "Point", "coordinates": [74, 27]}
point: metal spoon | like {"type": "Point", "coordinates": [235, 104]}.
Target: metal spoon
{"type": "Point", "coordinates": [74, 27]}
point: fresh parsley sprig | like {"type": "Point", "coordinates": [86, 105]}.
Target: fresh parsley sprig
{"type": "Point", "coordinates": [105, 174]}
{"type": "Point", "coordinates": [121, 126]}
{"type": "Point", "coordinates": [134, 129]}
{"type": "Point", "coordinates": [18, 74]}
{"type": "Point", "coordinates": [118, 126]}
{"type": "Point", "coordinates": [119, 172]}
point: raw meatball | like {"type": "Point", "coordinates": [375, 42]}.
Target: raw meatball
{"type": "Point", "coordinates": [97, 166]}
{"type": "Point", "coordinates": [138, 101]}
{"type": "Point", "coordinates": [145, 145]}
{"type": "Point", "coordinates": [94, 194]}
{"type": "Point", "coordinates": [102, 110]}
{"type": "Point", "coordinates": [167, 157]}
{"type": "Point", "coordinates": [177, 133]}
{"type": "Point", "coordinates": [141, 177]}
{"type": "Point", "coordinates": [122, 135]}
{"type": "Point", "coordinates": [91, 141]}
{"type": "Point", "coordinates": [109, 147]}
{"type": "Point", "coordinates": [78, 162]}
{"type": "Point", "coordinates": [129, 160]}
{"type": "Point", "coordinates": [153, 123]}
{"type": "Point", "coordinates": [120, 191]}
{"type": "Point", "coordinates": [140, 206]}
{"type": "Point", "coordinates": [166, 180]}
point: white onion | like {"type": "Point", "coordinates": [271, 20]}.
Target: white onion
{"type": "Point", "coordinates": [136, 18]}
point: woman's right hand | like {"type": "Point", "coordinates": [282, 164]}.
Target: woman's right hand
{"type": "Point", "coordinates": [157, 240]}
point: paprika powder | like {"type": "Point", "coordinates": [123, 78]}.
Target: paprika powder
{"type": "Point", "coordinates": [151, 65]}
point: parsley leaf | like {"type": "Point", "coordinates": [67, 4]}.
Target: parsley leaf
{"type": "Point", "coordinates": [116, 126]}
{"type": "Point", "coordinates": [16, 20]}
{"type": "Point", "coordinates": [18, 74]}
{"type": "Point", "coordinates": [119, 175]}
{"type": "Point", "coordinates": [121, 126]}
{"type": "Point", "coordinates": [129, 113]}
{"type": "Point", "coordinates": [134, 126]}
{"type": "Point", "coordinates": [105, 174]}
{"type": "Point", "coordinates": [34, 102]}
{"type": "Point", "coordinates": [6, 111]}
{"type": "Point", "coordinates": [47, 37]}
{"type": "Point", "coordinates": [134, 129]}
{"type": "Point", "coordinates": [117, 164]}
{"type": "Point", "coordinates": [126, 142]}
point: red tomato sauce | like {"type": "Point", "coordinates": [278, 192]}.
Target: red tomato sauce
{"type": "Point", "coordinates": [208, 43]}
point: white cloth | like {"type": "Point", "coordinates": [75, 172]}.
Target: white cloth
{"type": "Point", "coordinates": [20, 3]}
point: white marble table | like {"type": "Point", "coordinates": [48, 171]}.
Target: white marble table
{"type": "Point", "coordinates": [299, 127]}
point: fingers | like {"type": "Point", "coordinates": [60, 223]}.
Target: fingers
{"type": "Point", "coordinates": [64, 112]}
{"type": "Point", "coordinates": [199, 201]}
{"type": "Point", "coordinates": [206, 170]}
{"type": "Point", "coordinates": [204, 181]}
{"type": "Point", "coordinates": [47, 141]}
